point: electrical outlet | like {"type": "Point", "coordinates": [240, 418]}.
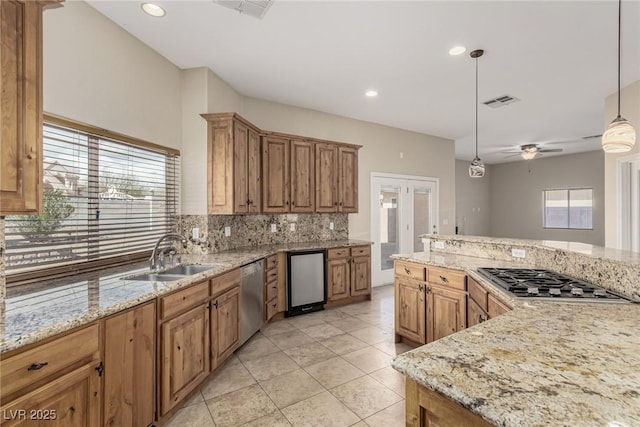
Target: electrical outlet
{"type": "Point", "coordinates": [195, 233]}
{"type": "Point", "coordinates": [438, 245]}
{"type": "Point", "coordinates": [227, 231]}
{"type": "Point", "coordinates": [292, 226]}
{"type": "Point", "coordinates": [330, 226]}
{"type": "Point", "coordinates": [518, 253]}
{"type": "Point", "coordinates": [274, 228]}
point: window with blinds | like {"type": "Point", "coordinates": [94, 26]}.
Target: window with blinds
{"type": "Point", "coordinates": [105, 200]}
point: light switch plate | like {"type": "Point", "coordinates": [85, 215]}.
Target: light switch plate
{"type": "Point", "coordinates": [518, 253]}
{"type": "Point", "coordinates": [227, 231]}
{"type": "Point", "coordinates": [438, 245]}
{"type": "Point", "coordinates": [274, 228]}
{"type": "Point", "coordinates": [292, 226]}
{"type": "Point", "coordinates": [330, 226]}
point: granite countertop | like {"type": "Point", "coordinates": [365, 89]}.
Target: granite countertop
{"type": "Point", "coordinates": [33, 312]}
{"type": "Point", "coordinates": [554, 364]}
{"type": "Point", "coordinates": [542, 364]}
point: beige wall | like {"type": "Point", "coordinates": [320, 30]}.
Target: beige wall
{"type": "Point", "coordinates": [516, 195]}
{"type": "Point", "coordinates": [473, 201]}
{"type": "Point", "coordinates": [97, 73]}
{"type": "Point", "coordinates": [630, 110]}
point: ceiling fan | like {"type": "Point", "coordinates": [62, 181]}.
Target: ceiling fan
{"type": "Point", "coordinates": [531, 151]}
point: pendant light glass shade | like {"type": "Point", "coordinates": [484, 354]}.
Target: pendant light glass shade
{"type": "Point", "coordinates": [476, 168]}
{"type": "Point", "coordinates": [619, 137]}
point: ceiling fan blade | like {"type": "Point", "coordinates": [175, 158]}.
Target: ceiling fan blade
{"type": "Point", "coordinates": [513, 155]}
{"type": "Point", "coordinates": [511, 152]}
{"type": "Point", "coordinates": [550, 150]}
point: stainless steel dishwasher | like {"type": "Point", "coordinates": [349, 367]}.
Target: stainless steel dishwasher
{"type": "Point", "coordinates": [251, 299]}
{"type": "Point", "coordinates": [306, 289]}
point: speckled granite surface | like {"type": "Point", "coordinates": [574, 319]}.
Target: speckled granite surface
{"type": "Point", "coordinates": [34, 312]}
{"type": "Point", "coordinates": [613, 269]}
{"type": "Point", "coordinates": [547, 365]}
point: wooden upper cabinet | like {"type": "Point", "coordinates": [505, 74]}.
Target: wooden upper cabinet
{"type": "Point", "coordinates": [326, 178]}
{"type": "Point", "coordinates": [302, 176]}
{"type": "Point", "coordinates": [21, 107]}
{"type": "Point", "coordinates": [233, 168]}
{"type": "Point", "coordinates": [275, 170]}
{"type": "Point", "coordinates": [347, 179]}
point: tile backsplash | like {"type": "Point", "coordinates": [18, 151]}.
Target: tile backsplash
{"type": "Point", "coordinates": [255, 230]}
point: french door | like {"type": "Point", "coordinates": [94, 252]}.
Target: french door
{"type": "Point", "coordinates": [402, 207]}
{"type": "Point", "coordinates": [629, 203]}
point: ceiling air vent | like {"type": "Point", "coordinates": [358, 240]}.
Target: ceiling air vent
{"type": "Point", "coordinates": [501, 101]}
{"type": "Point", "coordinates": [255, 8]}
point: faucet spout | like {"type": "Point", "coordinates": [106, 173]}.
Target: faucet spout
{"type": "Point", "coordinates": [153, 261]}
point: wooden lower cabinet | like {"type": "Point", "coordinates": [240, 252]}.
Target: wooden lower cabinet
{"type": "Point", "coordinates": [410, 311]}
{"type": "Point", "coordinates": [73, 400]}
{"type": "Point", "coordinates": [496, 307]}
{"type": "Point", "coordinates": [129, 364]}
{"type": "Point", "coordinates": [482, 305]}
{"type": "Point", "coordinates": [446, 312]}
{"type": "Point", "coordinates": [185, 360]}
{"type": "Point", "coordinates": [475, 314]}
{"type": "Point", "coordinates": [360, 276]}
{"type": "Point", "coordinates": [338, 278]}
{"type": "Point", "coordinates": [225, 312]}
{"type": "Point", "coordinates": [427, 408]}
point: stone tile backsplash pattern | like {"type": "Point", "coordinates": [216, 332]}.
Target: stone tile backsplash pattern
{"type": "Point", "coordinates": [255, 230]}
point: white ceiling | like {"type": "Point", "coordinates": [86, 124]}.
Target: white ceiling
{"type": "Point", "coordinates": [558, 57]}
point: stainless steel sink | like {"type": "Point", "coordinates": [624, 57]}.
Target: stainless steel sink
{"type": "Point", "coordinates": [189, 269]}
{"type": "Point", "coordinates": [156, 277]}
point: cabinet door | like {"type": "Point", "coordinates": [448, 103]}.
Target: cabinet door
{"type": "Point", "coordinates": [495, 307]}
{"type": "Point", "coordinates": [275, 169]}
{"type": "Point", "coordinates": [72, 400]}
{"type": "Point", "coordinates": [446, 312]}
{"type": "Point", "coordinates": [21, 108]}
{"type": "Point", "coordinates": [225, 326]}
{"type": "Point", "coordinates": [360, 276]}
{"type": "Point", "coordinates": [240, 167]}
{"type": "Point", "coordinates": [326, 177]}
{"type": "Point", "coordinates": [129, 366]}
{"type": "Point", "coordinates": [185, 355]}
{"type": "Point", "coordinates": [348, 179]}
{"type": "Point", "coordinates": [253, 162]}
{"type": "Point", "coordinates": [302, 176]}
{"type": "Point", "coordinates": [338, 278]}
{"type": "Point", "coordinates": [410, 309]}
{"type": "Point", "coordinates": [475, 313]}
{"type": "Point", "coordinates": [220, 158]}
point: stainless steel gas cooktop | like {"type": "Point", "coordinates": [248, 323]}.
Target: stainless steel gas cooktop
{"type": "Point", "coordinates": [545, 284]}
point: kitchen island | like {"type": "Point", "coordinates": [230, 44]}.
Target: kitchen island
{"type": "Point", "coordinates": [542, 364]}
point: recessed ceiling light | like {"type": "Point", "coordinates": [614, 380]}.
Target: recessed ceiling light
{"type": "Point", "coordinates": [457, 50]}
{"type": "Point", "coordinates": [371, 93]}
{"type": "Point", "coordinates": [153, 10]}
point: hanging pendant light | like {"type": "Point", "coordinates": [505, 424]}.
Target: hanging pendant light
{"type": "Point", "coordinates": [620, 135]}
{"type": "Point", "coordinates": [476, 168]}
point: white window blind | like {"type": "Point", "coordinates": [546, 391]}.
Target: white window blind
{"type": "Point", "coordinates": [103, 198]}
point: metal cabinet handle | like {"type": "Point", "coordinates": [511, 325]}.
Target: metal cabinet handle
{"type": "Point", "coordinates": [420, 288]}
{"type": "Point", "coordinates": [444, 279]}
{"type": "Point", "coordinates": [36, 366]}
{"type": "Point", "coordinates": [406, 270]}
{"type": "Point", "coordinates": [480, 318]}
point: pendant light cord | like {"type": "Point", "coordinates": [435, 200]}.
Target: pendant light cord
{"type": "Point", "coordinates": [619, 50]}
{"type": "Point", "coordinates": [477, 107]}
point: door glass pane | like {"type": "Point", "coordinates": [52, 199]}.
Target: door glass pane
{"type": "Point", "coordinates": [389, 225]}
{"type": "Point", "coordinates": [421, 210]}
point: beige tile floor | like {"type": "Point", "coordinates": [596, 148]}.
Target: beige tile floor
{"type": "Point", "coordinates": [329, 368]}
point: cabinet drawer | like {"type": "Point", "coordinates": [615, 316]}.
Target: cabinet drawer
{"type": "Point", "coordinates": [271, 290]}
{"type": "Point", "coordinates": [448, 278]}
{"type": "Point", "coordinates": [183, 299]}
{"type": "Point", "coordinates": [337, 253]}
{"type": "Point", "coordinates": [407, 269]}
{"type": "Point", "coordinates": [225, 281]}
{"type": "Point", "coordinates": [271, 275]}
{"type": "Point", "coordinates": [361, 251]}
{"type": "Point", "coordinates": [477, 293]}
{"type": "Point", "coordinates": [271, 308]}
{"type": "Point", "coordinates": [47, 360]}
{"type": "Point", "coordinates": [271, 262]}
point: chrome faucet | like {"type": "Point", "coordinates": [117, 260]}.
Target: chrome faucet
{"type": "Point", "coordinates": [153, 261]}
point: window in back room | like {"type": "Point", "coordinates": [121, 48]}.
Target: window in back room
{"type": "Point", "coordinates": [107, 198]}
{"type": "Point", "coordinates": [568, 208]}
